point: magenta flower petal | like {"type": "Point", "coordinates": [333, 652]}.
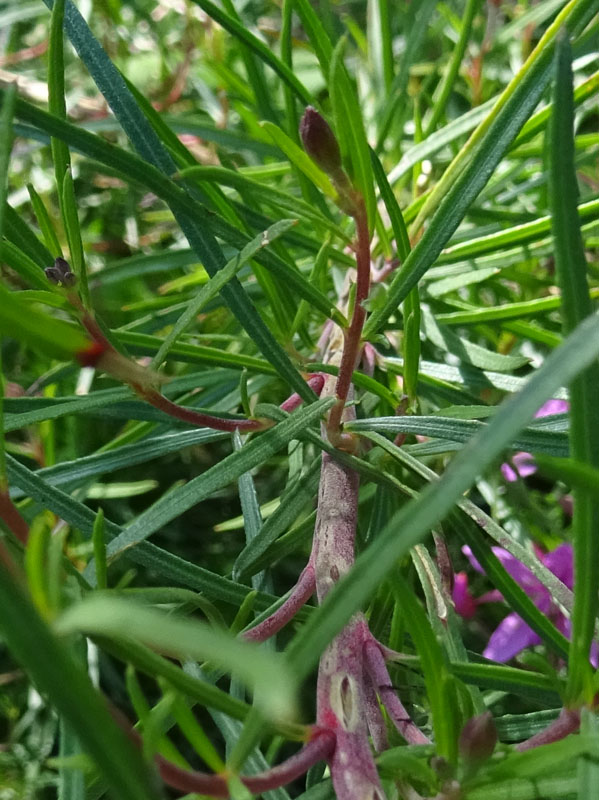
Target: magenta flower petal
{"type": "Point", "coordinates": [470, 556]}
{"type": "Point", "coordinates": [494, 596]}
{"type": "Point", "coordinates": [522, 464]}
{"type": "Point", "coordinates": [520, 573]}
{"type": "Point", "coordinates": [464, 603]}
{"type": "Point", "coordinates": [553, 406]}
{"type": "Point", "coordinates": [509, 638]}
{"type": "Point", "coordinates": [508, 473]}
{"type": "Point", "coordinates": [560, 562]}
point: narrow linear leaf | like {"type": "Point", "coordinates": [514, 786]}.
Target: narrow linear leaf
{"type": "Point", "coordinates": [145, 140]}
{"type": "Point", "coordinates": [240, 31]}
{"type": "Point", "coordinates": [584, 390]}
{"type": "Point", "coordinates": [264, 671]}
{"type": "Point", "coordinates": [349, 128]}
{"type": "Point", "coordinates": [216, 284]}
{"type": "Point", "coordinates": [229, 469]}
{"type": "Point", "coordinates": [501, 134]}
{"type": "Point", "coordinates": [58, 675]}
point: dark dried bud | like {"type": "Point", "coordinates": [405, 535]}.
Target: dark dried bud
{"type": "Point", "coordinates": [478, 739]}
{"type": "Point", "coordinates": [319, 141]}
{"type": "Point", "coordinates": [61, 273]}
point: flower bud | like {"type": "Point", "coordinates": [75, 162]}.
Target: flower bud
{"type": "Point", "coordinates": [478, 739]}
{"type": "Point", "coordinates": [61, 273]}
{"type": "Point", "coordinates": [319, 141]}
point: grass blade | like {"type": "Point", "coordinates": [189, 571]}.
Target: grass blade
{"type": "Point", "coordinates": [263, 670]}
{"type": "Point", "coordinates": [52, 667]}
{"type": "Point", "coordinates": [500, 135]}
{"type": "Point", "coordinates": [145, 140]}
{"type": "Point", "coordinates": [584, 409]}
{"type": "Point", "coordinates": [229, 469]}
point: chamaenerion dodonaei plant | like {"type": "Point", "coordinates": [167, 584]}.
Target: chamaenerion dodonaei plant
{"type": "Point", "coordinates": [282, 287]}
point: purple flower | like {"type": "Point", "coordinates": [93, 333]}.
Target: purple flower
{"type": "Point", "coordinates": [523, 464]}
{"type": "Point", "coordinates": [513, 635]}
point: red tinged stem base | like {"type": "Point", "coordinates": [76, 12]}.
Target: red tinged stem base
{"type": "Point", "coordinates": [320, 747]}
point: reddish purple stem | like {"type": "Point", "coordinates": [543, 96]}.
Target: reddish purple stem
{"type": "Point", "coordinates": [320, 747]}
{"type": "Point", "coordinates": [194, 417]}
{"type": "Point", "coordinates": [568, 722]}
{"type": "Point", "coordinates": [315, 382]}
{"type": "Point", "coordinates": [300, 594]}
{"type": "Point", "coordinates": [379, 675]}
{"type": "Point", "coordinates": [352, 338]}
{"type": "Point", "coordinates": [12, 518]}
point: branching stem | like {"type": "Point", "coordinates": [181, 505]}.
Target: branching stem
{"type": "Point", "coordinates": [353, 336]}
{"type": "Point", "coordinates": [568, 722]}
{"type": "Point", "coordinates": [300, 594]}
{"type": "Point", "coordinates": [320, 746]}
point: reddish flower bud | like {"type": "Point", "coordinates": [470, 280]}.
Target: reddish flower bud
{"type": "Point", "coordinates": [478, 739]}
{"type": "Point", "coordinates": [319, 141]}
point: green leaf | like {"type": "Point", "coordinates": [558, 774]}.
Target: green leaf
{"type": "Point", "coordinates": [172, 568]}
{"type": "Point", "coordinates": [240, 31]}
{"type": "Point", "coordinates": [349, 128]}
{"type": "Point", "coordinates": [56, 673]}
{"type": "Point", "coordinates": [300, 159]}
{"type": "Point", "coordinates": [316, 32]}
{"type": "Point", "coordinates": [487, 524]}
{"type": "Point", "coordinates": [457, 200]}
{"type": "Point", "coordinates": [440, 684]}
{"type": "Point", "coordinates": [534, 71]}
{"type": "Point", "coordinates": [396, 100]}
{"type": "Point", "coordinates": [466, 351]}
{"type": "Point", "coordinates": [226, 471]}
{"type": "Point", "coordinates": [267, 193]}
{"type": "Point", "coordinates": [6, 139]}
{"type": "Point", "coordinates": [73, 231]}
{"type": "Point", "coordinates": [56, 92]}
{"type": "Point", "coordinates": [52, 336]}
{"type": "Point", "coordinates": [541, 438]}
{"type": "Point", "coordinates": [446, 85]}
{"type": "Point", "coordinates": [44, 222]}
{"type": "Point", "coordinates": [584, 409]}
{"type": "Point", "coordinates": [133, 167]}
{"type": "Point", "coordinates": [18, 232]}
{"type": "Point", "coordinates": [216, 284]}
{"type": "Point", "coordinates": [505, 311]}
{"type": "Point", "coordinates": [145, 140]}
{"type": "Point", "coordinates": [570, 472]}
{"type": "Point", "coordinates": [264, 671]}
{"type": "Point", "coordinates": [69, 473]}
{"type": "Point", "coordinates": [252, 519]}
{"type": "Point", "coordinates": [531, 231]}
{"type": "Point", "coordinates": [294, 500]}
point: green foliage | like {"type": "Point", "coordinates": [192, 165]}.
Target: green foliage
{"type": "Point", "coordinates": [155, 147]}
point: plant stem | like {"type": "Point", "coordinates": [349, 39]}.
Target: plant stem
{"type": "Point", "coordinates": [351, 347]}
{"type": "Point", "coordinates": [375, 665]}
{"type": "Point", "coordinates": [301, 593]}
{"type": "Point", "coordinates": [319, 747]}
{"type": "Point", "coordinates": [11, 517]}
{"type": "Point", "coordinates": [341, 697]}
{"type": "Point", "coordinates": [568, 722]}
